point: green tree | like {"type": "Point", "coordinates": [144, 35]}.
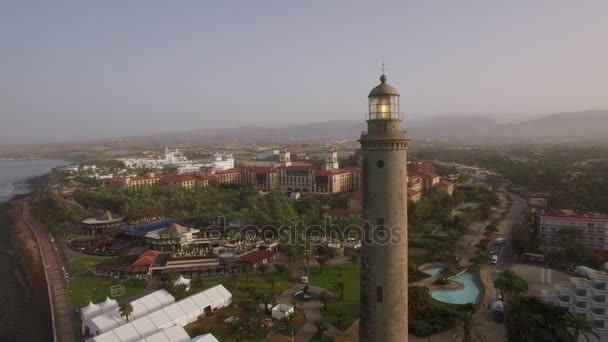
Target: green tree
{"type": "Point", "coordinates": [325, 298]}
{"type": "Point", "coordinates": [126, 309]}
{"type": "Point", "coordinates": [467, 329]}
{"type": "Point", "coordinates": [511, 284]}
{"type": "Point", "coordinates": [321, 328]}
{"type": "Point", "coordinates": [262, 267]}
{"type": "Point", "coordinates": [322, 260]}
{"type": "Point", "coordinates": [339, 287]}
{"type": "Point", "coordinates": [340, 318]}
{"type": "Point", "coordinates": [418, 298]}
{"type": "Point", "coordinates": [354, 258]}
{"type": "Point", "coordinates": [579, 325]}
{"type": "Point", "coordinates": [272, 281]}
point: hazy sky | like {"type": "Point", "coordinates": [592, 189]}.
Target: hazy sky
{"type": "Point", "coordinates": [87, 69]}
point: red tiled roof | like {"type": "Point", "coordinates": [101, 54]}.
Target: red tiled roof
{"type": "Point", "coordinates": [428, 175]}
{"type": "Point", "coordinates": [444, 184]}
{"type": "Point", "coordinates": [261, 169]}
{"type": "Point", "coordinates": [257, 256]}
{"type": "Point", "coordinates": [352, 168]}
{"type": "Point", "coordinates": [180, 178]}
{"type": "Point", "coordinates": [413, 175]}
{"type": "Point", "coordinates": [300, 167]}
{"type": "Point", "coordinates": [332, 172]}
{"type": "Point", "coordinates": [412, 193]}
{"type": "Point", "coordinates": [233, 170]}
{"type": "Point", "coordinates": [146, 259]}
{"type": "Point", "coordinates": [343, 213]}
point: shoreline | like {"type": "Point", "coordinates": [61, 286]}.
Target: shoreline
{"type": "Point", "coordinates": [25, 308]}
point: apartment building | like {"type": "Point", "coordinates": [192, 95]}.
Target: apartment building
{"type": "Point", "coordinates": [587, 296]}
{"type": "Point", "coordinates": [591, 229]}
{"type": "Point", "coordinates": [230, 176]}
{"type": "Point", "coordinates": [264, 178]}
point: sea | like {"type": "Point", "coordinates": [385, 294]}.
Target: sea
{"type": "Point", "coordinates": [24, 314]}
{"type": "Point", "coordinates": [15, 173]}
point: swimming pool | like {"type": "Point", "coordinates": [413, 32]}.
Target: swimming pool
{"type": "Point", "coordinates": [468, 294]}
{"type": "Point", "coordinates": [433, 271]}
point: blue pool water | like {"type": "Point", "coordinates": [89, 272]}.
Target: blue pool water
{"type": "Point", "coordinates": [466, 295]}
{"type": "Point", "coordinates": [433, 271]}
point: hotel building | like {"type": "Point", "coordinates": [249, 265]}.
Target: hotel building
{"type": "Point", "coordinates": [591, 229]}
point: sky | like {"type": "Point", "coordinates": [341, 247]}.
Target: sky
{"type": "Point", "coordinates": [73, 70]}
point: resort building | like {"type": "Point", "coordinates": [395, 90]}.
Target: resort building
{"type": "Point", "coordinates": [230, 176]}
{"type": "Point", "coordinates": [139, 182]}
{"type": "Point", "coordinates": [98, 225]}
{"type": "Point", "coordinates": [331, 162]}
{"type": "Point", "coordinates": [591, 229]}
{"type": "Point", "coordinates": [264, 178]}
{"type": "Point", "coordinates": [587, 296]}
{"type": "Point", "coordinates": [445, 186]}
{"type": "Point", "coordinates": [171, 238]}
{"type": "Point", "coordinates": [421, 166]}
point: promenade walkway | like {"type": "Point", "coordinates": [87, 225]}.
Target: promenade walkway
{"type": "Point", "coordinates": [61, 308]}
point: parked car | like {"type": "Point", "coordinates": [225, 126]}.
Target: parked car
{"type": "Point", "coordinates": [499, 241]}
{"type": "Point", "coordinates": [494, 259]}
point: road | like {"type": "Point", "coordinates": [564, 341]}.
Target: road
{"type": "Point", "coordinates": [59, 299]}
{"type": "Point", "coordinates": [506, 256]}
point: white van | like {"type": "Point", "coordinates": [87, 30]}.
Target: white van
{"type": "Point", "coordinates": [494, 259]}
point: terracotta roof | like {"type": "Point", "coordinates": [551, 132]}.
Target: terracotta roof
{"type": "Point", "coordinates": [412, 193]}
{"type": "Point", "coordinates": [332, 172]}
{"type": "Point", "coordinates": [413, 175]}
{"type": "Point", "coordinates": [257, 256]}
{"type": "Point", "coordinates": [444, 184]}
{"type": "Point", "coordinates": [300, 167]}
{"type": "Point", "coordinates": [261, 169]}
{"type": "Point", "coordinates": [146, 259]}
{"type": "Point", "coordinates": [343, 213]}
{"type": "Point", "coordinates": [428, 175]}
{"type": "Point", "coordinates": [181, 178]}
{"type": "Point", "coordinates": [233, 170]}
{"type": "Point", "coordinates": [571, 215]}
{"type": "Point", "coordinates": [352, 168]}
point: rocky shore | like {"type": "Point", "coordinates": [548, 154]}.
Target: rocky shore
{"type": "Point", "coordinates": [24, 305]}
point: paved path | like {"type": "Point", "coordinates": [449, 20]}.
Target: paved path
{"type": "Point", "coordinates": [61, 308]}
{"type": "Point", "coordinates": [312, 312]}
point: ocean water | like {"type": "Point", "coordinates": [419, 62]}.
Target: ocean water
{"type": "Point", "coordinates": [13, 175]}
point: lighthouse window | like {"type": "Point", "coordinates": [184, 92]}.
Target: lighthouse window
{"type": "Point", "coordinates": [379, 294]}
{"type": "Point", "coordinates": [380, 163]}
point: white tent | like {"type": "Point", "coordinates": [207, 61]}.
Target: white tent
{"type": "Point", "coordinates": [89, 311]}
{"type": "Point", "coordinates": [205, 338]}
{"type": "Point", "coordinates": [109, 320]}
{"type": "Point", "coordinates": [282, 310]}
{"type": "Point", "coordinates": [108, 305]}
{"type": "Point", "coordinates": [180, 313]}
{"type": "Point", "coordinates": [172, 334]}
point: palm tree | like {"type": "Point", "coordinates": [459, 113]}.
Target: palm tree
{"type": "Point", "coordinates": [247, 270]}
{"type": "Point", "coordinates": [234, 279]}
{"type": "Point", "coordinates": [272, 281]}
{"type": "Point", "coordinates": [235, 332]}
{"type": "Point", "coordinates": [512, 285]}
{"type": "Point", "coordinates": [339, 286]}
{"type": "Point", "coordinates": [579, 325]}
{"type": "Point", "coordinates": [467, 329]}
{"type": "Point", "coordinates": [290, 322]}
{"type": "Point", "coordinates": [354, 258]}
{"type": "Point", "coordinates": [262, 267]}
{"type": "Point", "coordinates": [325, 297]}
{"type": "Point", "coordinates": [322, 260]}
{"type": "Point", "coordinates": [126, 309]}
{"type": "Point", "coordinates": [418, 298]}
{"type": "Point", "coordinates": [321, 328]}
{"type": "Point", "coordinates": [340, 318]}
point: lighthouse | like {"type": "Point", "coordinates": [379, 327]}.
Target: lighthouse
{"type": "Point", "coordinates": [383, 311]}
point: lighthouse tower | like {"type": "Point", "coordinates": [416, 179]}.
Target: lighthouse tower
{"type": "Point", "coordinates": [383, 312]}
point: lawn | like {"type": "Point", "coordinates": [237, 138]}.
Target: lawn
{"type": "Point", "coordinates": [88, 287]}
{"type": "Point", "coordinates": [83, 264]}
{"type": "Point", "coordinates": [350, 304]}
{"type": "Point", "coordinates": [240, 292]}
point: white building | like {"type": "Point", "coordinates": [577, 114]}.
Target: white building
{"type": "Point", "coordinates": [282, 310]}
{"type": "Point", "coordinates": [182, 313]}
{"type": "Point", "coordinates": [586, 296]}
